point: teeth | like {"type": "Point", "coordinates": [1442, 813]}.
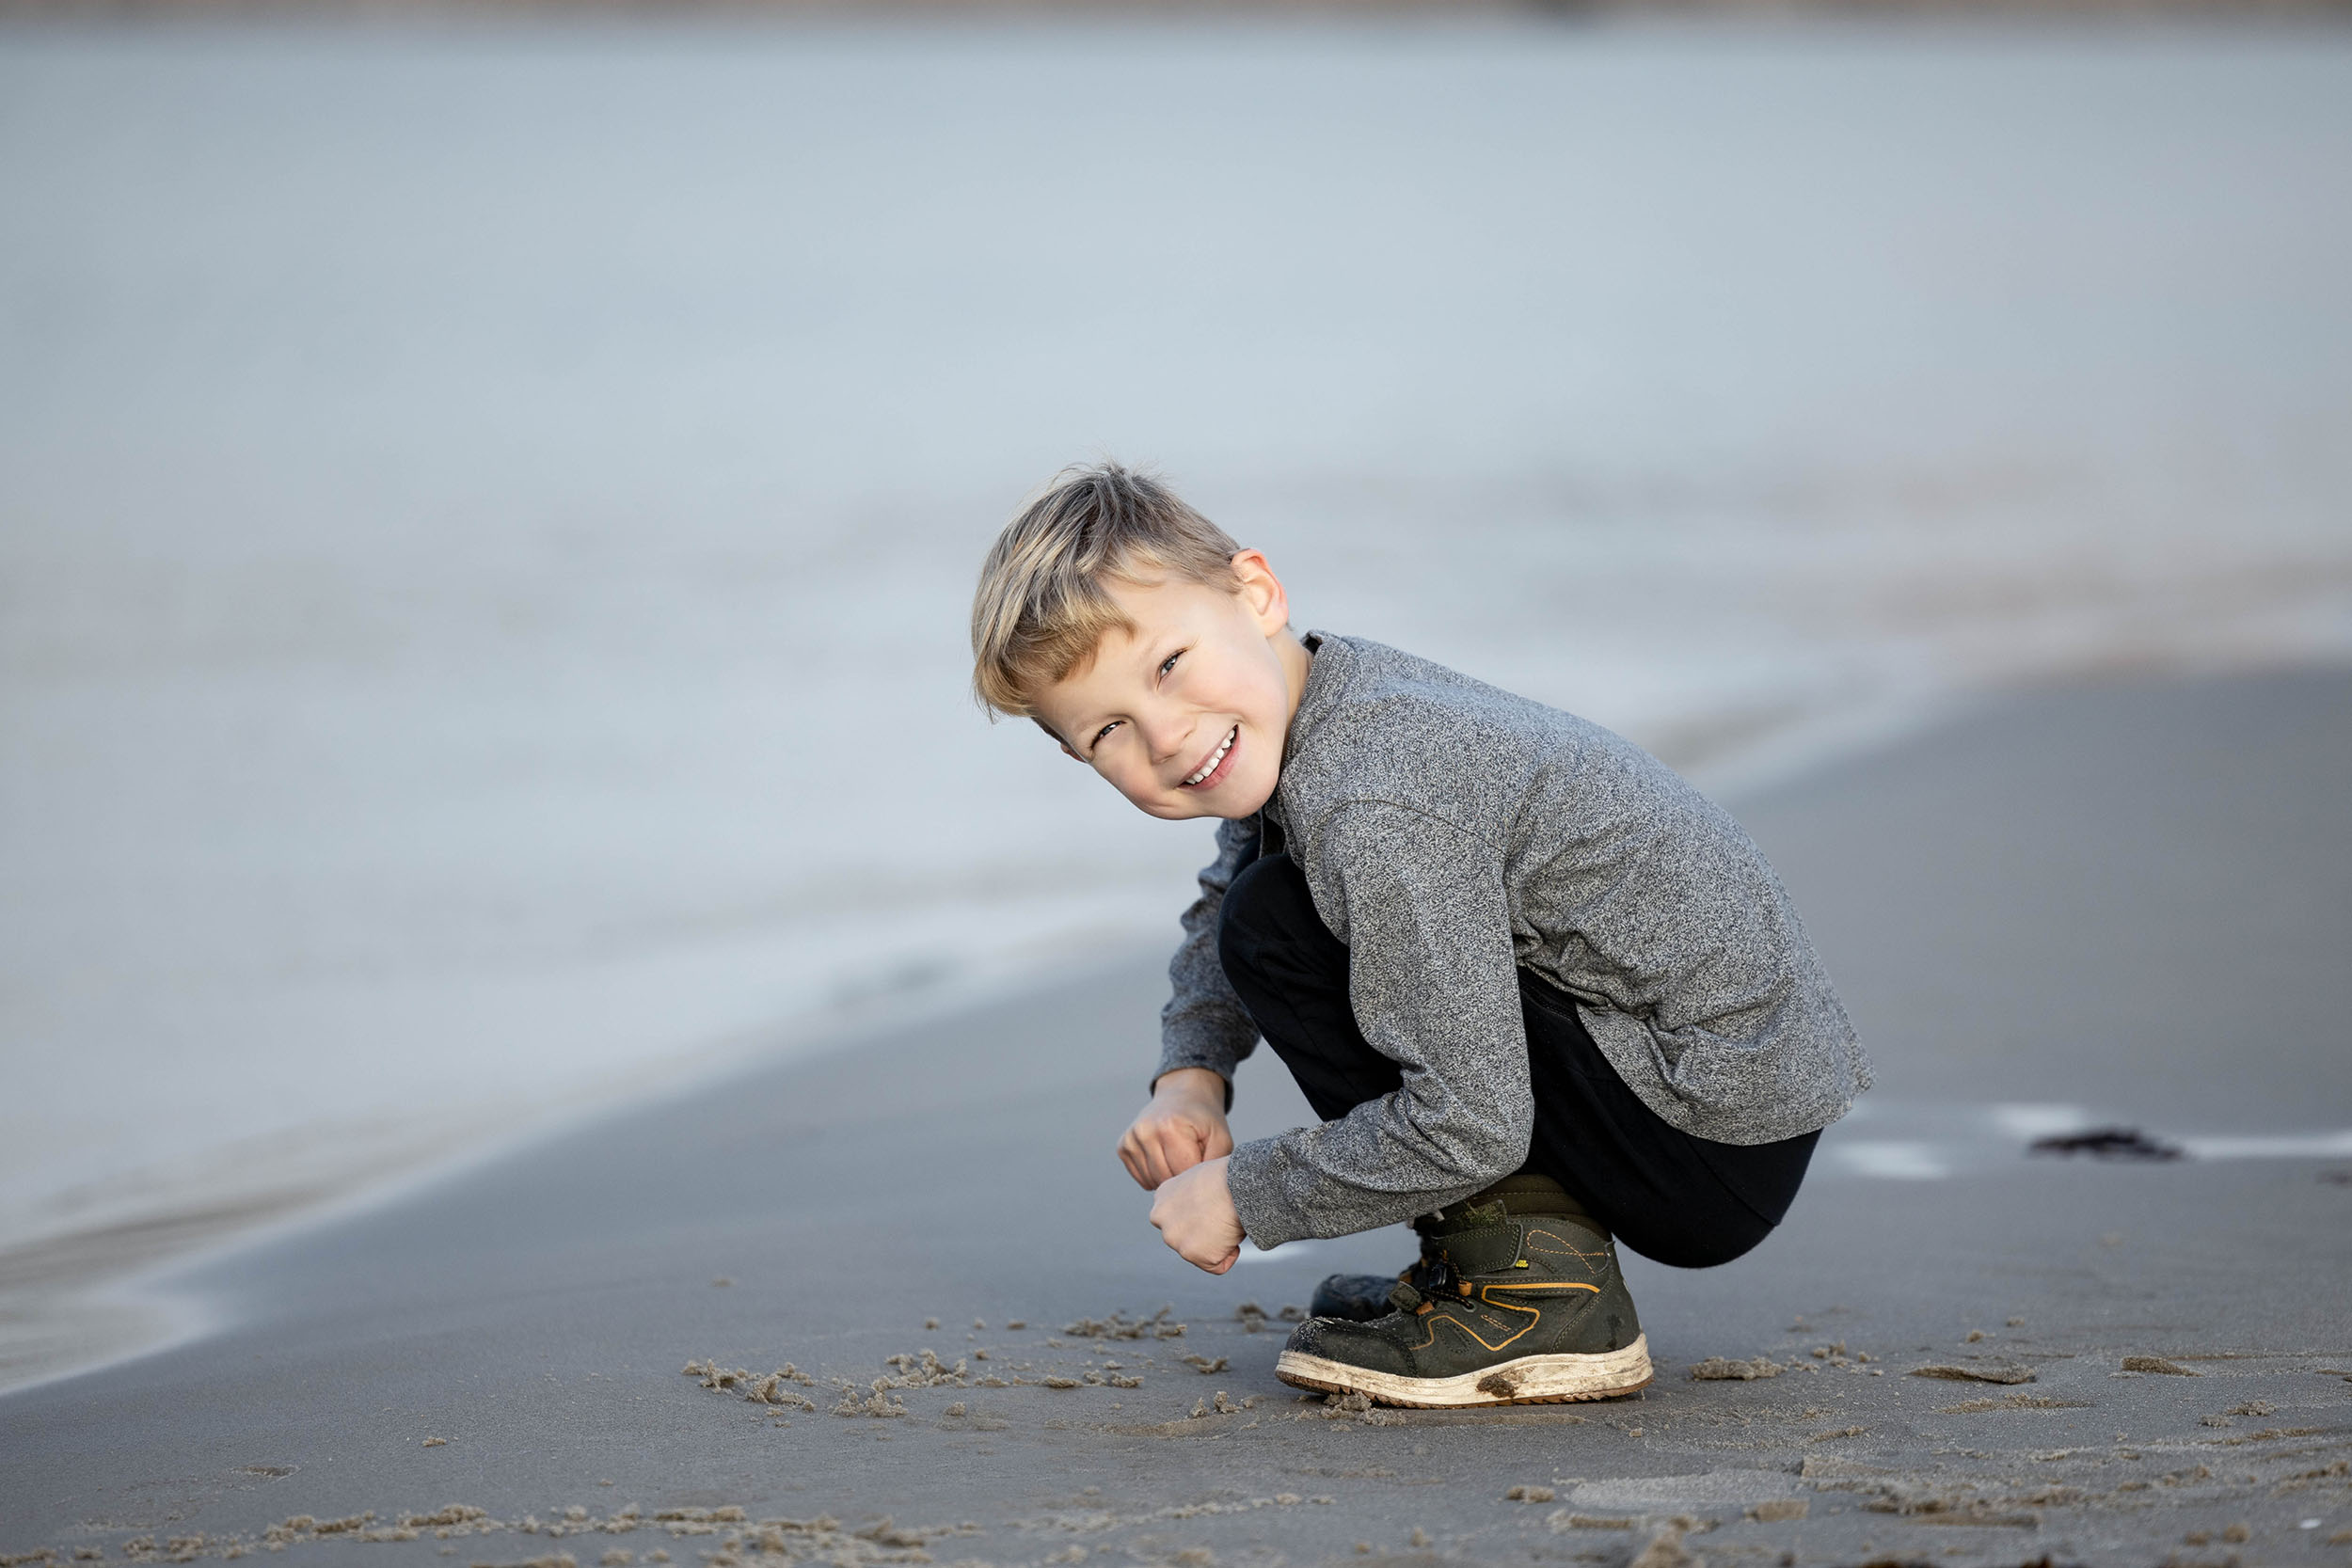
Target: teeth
{"type": "Point", "coordinates": [1210, 767]}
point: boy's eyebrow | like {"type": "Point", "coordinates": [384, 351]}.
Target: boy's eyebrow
{"type": "Point", "coordinates": [1154, 653]}
{"type": "Point", "coordinates": [1151, 656]}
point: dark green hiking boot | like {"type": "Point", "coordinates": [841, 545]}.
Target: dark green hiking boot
{"type": "Point", "coordinates": [1357, 1297]}
{"type": "Point", "coordinates": [1361, 1297]}
{"type": "Point", "coordinates": [1517, 1300]}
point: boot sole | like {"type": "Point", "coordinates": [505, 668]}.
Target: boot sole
{"type": "Point", "coordinates": [1529, 1380]}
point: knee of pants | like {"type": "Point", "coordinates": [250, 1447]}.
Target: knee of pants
{"type": "Point", "coordinates": [1266, 908]}
{"type": "Point", "coordinates": [1709, 1251]}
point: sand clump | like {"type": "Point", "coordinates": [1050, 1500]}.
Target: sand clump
{"type": "Point", "coordinates": [1093, 1517]}
{"type": "Point", "coordinates": [742, 1541]}
{"type": "Point", "coordinates": [2158, 1364]}
{"type": "Point", "coordinates": [1253, 1318]}
{"type": "Point", "coordinates": [1976, 1374]}
{"type": "Point", "coordinates": [1943, 1505]}
{"type": "Point", "coordinates": [1662, 1550]}
{"type": "Point", "coordinates": [1159, 1326]}
{"type": "Point", "coordinates": [924, 1369]}
{"type": "Point", "coordinates": [768, 1390]}
{"type": "Point", "coordinates": [357, 1527]}
{"type": "Point", "coordinates": [1560, 1521]}
{"type": "Point", "coordinates": [873, 1401]}
{"type": "Point", "coordinates": [1721, 1369]}
{"type": "Point", "coordinates": [1357, 1407]}
{"type": "Point", "coordinates": [1221, 1405]}
{"type": "Point", "coordinates": [2011, 1401]}
{"type": "Point", "coordinates": [781, 1388]}
{"type": "Point", "coordinates": [448, 1522]}
{"type": "Point", "coordinates": [825, 1539]}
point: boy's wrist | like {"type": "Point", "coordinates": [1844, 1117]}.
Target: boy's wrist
{"type": "Point", "coordinates": [1198, 1083]}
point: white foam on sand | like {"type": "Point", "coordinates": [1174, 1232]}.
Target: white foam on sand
{"type": "Point", "coordinates": [481, 614]}
{"type": "Point", "coordinates": [1892, 1159]}
{"type": "Point", "coordinates": [2026, 1121]}
{"type": "Point", "coordinates": [1896, 1140]}
{"type": "Point", "coordinates": [2336, 1144]}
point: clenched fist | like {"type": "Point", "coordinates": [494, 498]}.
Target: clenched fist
{"type": "Point", "coordinates": [1196, 1215]}
{"type": "Point", "coordinates": [1183, 1126]}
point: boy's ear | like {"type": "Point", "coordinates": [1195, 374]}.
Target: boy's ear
{"type": "Point", "coordinates": [1262, 591]}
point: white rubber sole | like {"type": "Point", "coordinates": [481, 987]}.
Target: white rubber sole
{"type": "Point", "coordinates": [1529, 1380]}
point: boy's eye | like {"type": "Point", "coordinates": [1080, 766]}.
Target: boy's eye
{"type": "Point", "coordinates": [1169, 662]}
{"type": "Point", "coordinates": [1103, 731]}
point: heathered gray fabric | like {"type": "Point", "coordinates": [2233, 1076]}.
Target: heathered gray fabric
{"type": "Point", "coordinates": [1449, 832]}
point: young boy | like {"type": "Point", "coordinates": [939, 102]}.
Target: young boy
{"type": "Point", "coordinates": [1540, 990]}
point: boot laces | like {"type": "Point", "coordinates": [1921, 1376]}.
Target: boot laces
{"type": "Point", "coordinates": [1421, 1283]}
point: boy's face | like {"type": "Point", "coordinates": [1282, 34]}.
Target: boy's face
{"type": "Point", "coordinates": [1187, 716]}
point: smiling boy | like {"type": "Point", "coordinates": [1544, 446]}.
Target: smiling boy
{"type": "Point", "coordinates": [1542, 993]}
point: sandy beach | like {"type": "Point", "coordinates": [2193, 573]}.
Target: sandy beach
{"type": "Point", "coordinates": [487, 509]}
{"type": "Point", "coordinates": [2110, 906]}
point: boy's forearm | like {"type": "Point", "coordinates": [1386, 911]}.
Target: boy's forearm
{"type": "Point", "coordinates": [1204, 1024]}
{"type": "Point", "coordinates": [1280, 1198]}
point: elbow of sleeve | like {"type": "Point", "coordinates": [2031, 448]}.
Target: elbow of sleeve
{"type": "Point", "coordinates": [1506, 1148]}
{"type": "Point", "coordinates": [1485, 1152]}
{"type": "Point", "coordinates": [1519, 1138]}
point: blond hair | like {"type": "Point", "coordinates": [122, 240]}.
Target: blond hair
{"type": "Point", "coordinates": [1043, 603]}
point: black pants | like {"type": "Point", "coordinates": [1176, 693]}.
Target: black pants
{"type": "Point", "coordinates": [1668, 1196]}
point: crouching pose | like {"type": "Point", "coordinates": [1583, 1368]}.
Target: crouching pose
{"type": "Point", "coordinates": [1543, 995]}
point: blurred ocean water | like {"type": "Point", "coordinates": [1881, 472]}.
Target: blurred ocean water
{"type": "Point", "coordinates": [487, 514]}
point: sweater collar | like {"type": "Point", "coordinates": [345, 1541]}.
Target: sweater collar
{"type": "Point", "coordinates": [1330, 662]}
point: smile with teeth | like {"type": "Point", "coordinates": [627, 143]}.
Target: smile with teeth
{"type": "Point", "coordinates": [1211, 766]}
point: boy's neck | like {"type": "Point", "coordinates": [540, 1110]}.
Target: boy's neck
{"type": "Point", "coordinates": [1297, 662]}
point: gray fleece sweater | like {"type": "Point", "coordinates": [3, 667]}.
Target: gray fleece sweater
{"type": "Point", "coordinates": [1451, 834]}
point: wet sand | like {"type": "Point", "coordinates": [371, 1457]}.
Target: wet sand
{"type": "Point", "coordinates": [2122, 906]}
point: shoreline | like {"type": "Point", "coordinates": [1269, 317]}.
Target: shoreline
{"type": "Point", "coordinates": [77, 1299]}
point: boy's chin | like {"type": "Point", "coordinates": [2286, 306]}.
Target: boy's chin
{"type": "Point", "coordinates": [1234, 803]}
{"type": "Point", "coordinates": [1231, 802]}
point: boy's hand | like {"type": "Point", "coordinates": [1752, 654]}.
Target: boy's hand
{"type": "Point", "coordinates": [1195, 1214]}
{"type": "Point", "coordinates": [1184, 1125]}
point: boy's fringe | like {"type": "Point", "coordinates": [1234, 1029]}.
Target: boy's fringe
{"type": "Point", "coordinates": [1043, 603]}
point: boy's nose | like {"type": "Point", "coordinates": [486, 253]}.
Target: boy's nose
{"type": "Point", "coordinates": [1167, 740]}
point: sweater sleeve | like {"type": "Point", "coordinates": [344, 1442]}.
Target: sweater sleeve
{"type": "Point", "coordinates": [1434, 988]}
{"type": "Point", "coordinates": [1204, 1023]}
